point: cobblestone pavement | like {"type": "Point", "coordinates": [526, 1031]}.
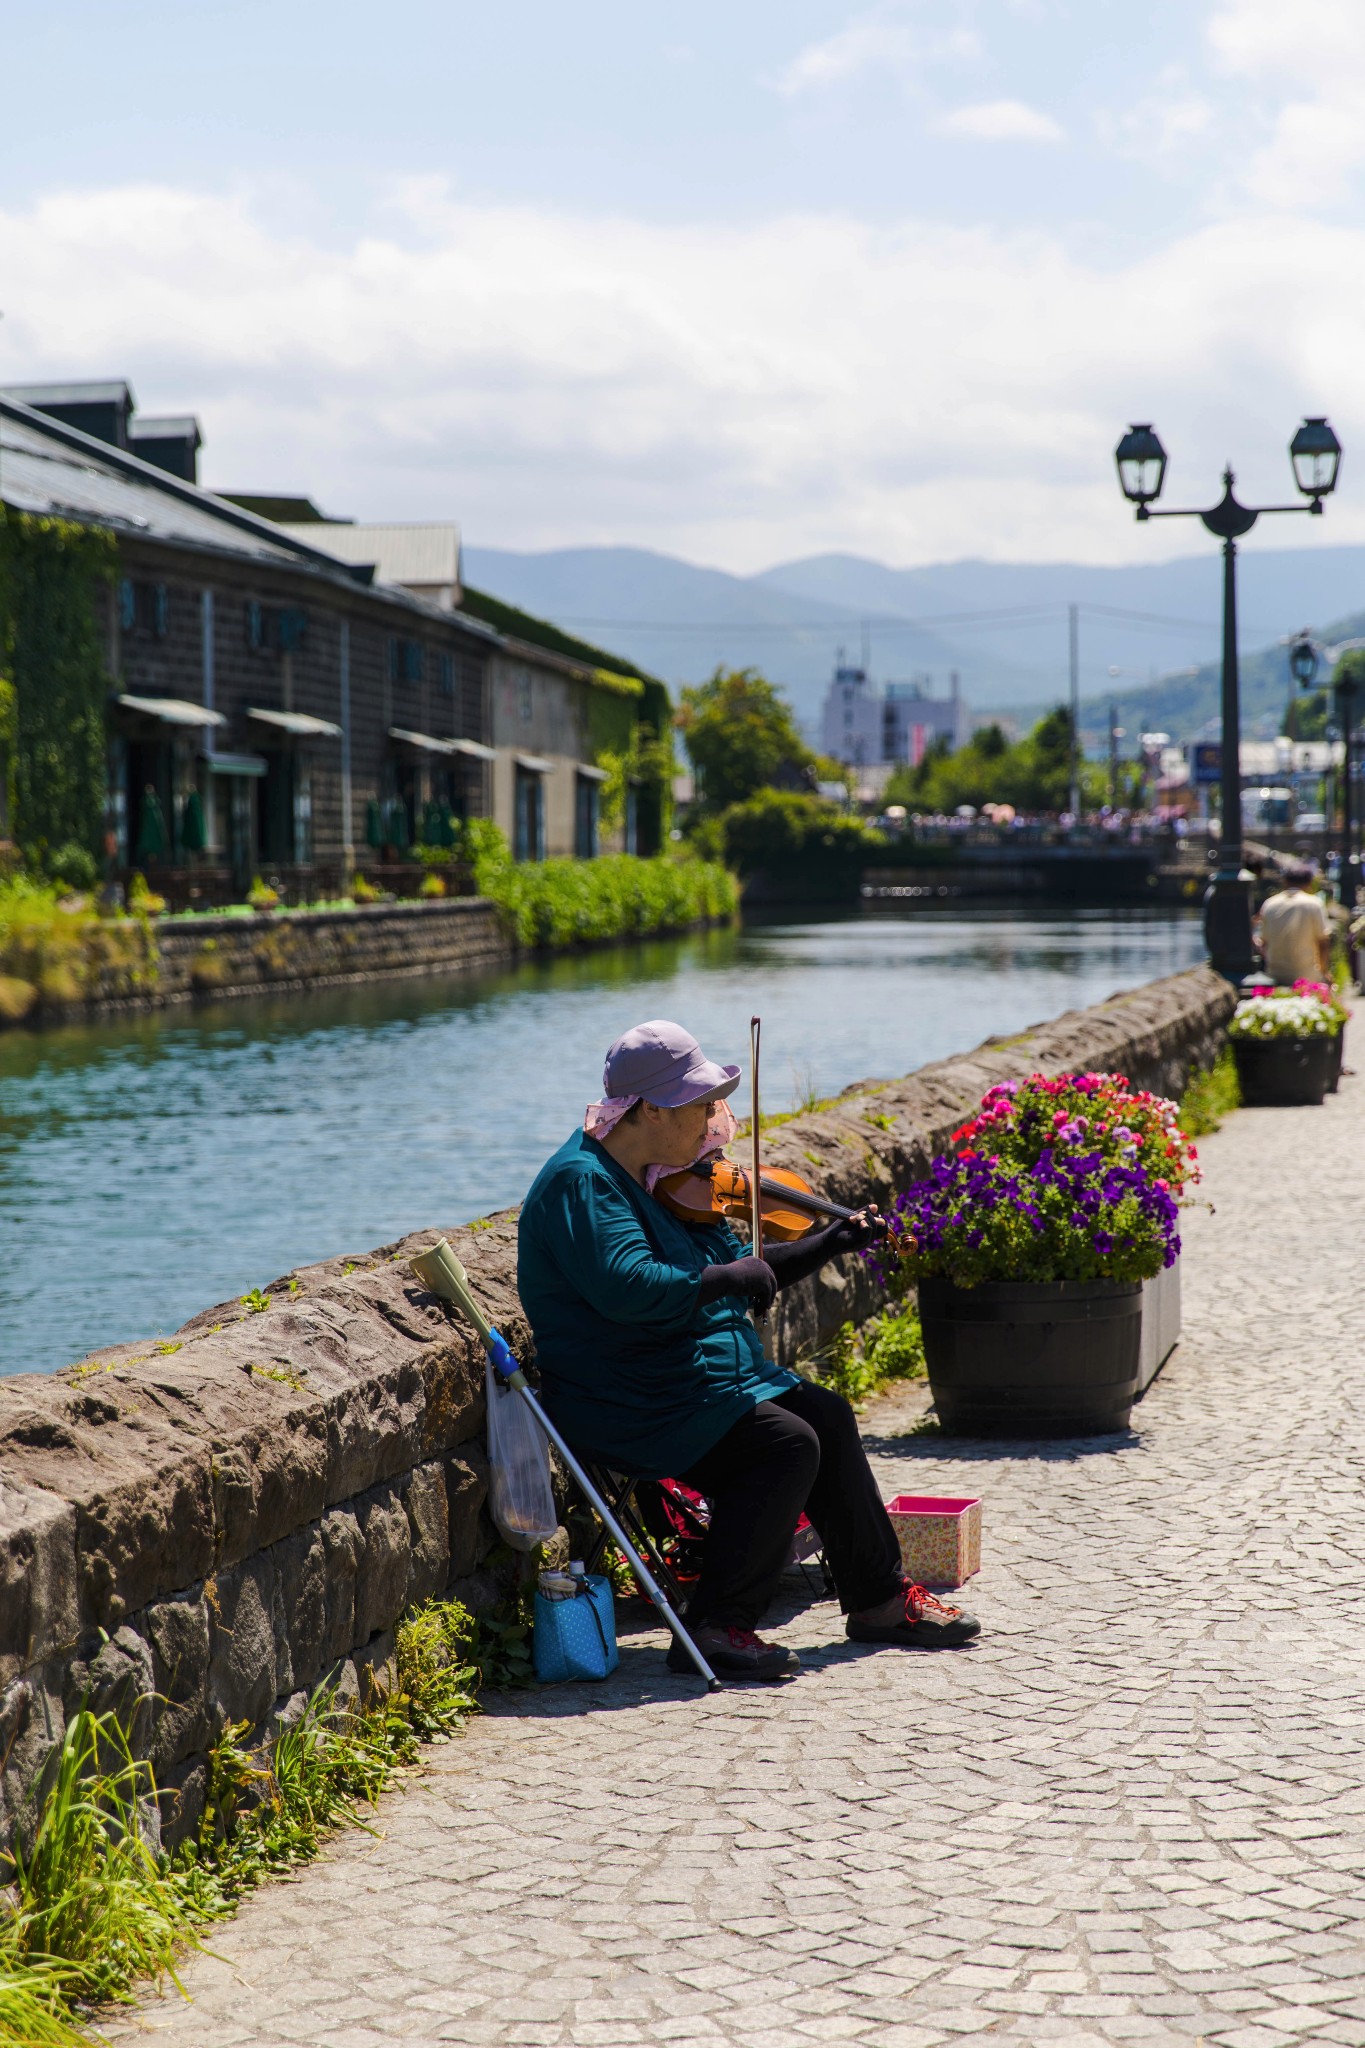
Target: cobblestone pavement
{"type": "Point", "coordinates": [1134, 1812]}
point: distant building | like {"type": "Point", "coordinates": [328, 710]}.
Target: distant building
{"type": "Point", "coordinates": [320, 688]}
{"type": "Point", "coordinates": [864, 727]}
{"type": "Point", "coordinates": [421, 557]}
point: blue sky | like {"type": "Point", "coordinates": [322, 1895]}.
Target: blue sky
{"type": "Point", "coordinates": [747, 283]}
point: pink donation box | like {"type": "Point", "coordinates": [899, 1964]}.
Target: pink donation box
{"type": "Point", "coordinates": [940, 1539]}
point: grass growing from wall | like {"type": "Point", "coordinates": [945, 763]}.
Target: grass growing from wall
{"type": "Point", "coordinates": [1211, 1095]}
{"type": "Point", "coordinates": [860, 1362]}
{"type": "Point", "coordinates": [97, 1907]}
{"type": "Point", "coordinates": [555, 904]}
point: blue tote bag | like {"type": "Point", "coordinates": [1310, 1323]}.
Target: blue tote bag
{"type": "Point", "coordinates": [576, 1638]}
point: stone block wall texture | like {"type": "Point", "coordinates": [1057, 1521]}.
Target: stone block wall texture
{"type": "Point", "coordinates": [207, 956]}
{"type": "Point", "coordinates": [200, 1530]}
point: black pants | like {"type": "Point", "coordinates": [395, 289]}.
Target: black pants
{"type": "Point", "coordinates": [799, 1452]}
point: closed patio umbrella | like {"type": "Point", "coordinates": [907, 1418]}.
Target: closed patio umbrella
{"type": "Point", "coordinates": [192, 834]}
{"type": "Point", "coordinates": [374, 824]}
{"type": "Point", "coordinates": [151, 831]}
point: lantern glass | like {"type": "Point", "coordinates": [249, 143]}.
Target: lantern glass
{"type": "Point", "coordinates": [1315, 453]}
{"type": "Point", "coordinates": [1303, 661]}
{"type": "Point", "coordinates": [1141, 463]}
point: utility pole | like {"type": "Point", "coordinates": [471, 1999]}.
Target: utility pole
{"type": "Point", "coordinates": [1113, 757]}
{"type": "Point", "coordinates": [1073, 634]}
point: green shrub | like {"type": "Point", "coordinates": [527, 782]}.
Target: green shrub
{"type": "Point", "coordinates": [552, 904]}
{"type": "Point", "coordinates": [62, 952]}
{"type": "Point", "coordinates": [782, 831]}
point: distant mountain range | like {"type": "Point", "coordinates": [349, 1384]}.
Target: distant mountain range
{"type": "Point", "coordinates": [1002, 627]}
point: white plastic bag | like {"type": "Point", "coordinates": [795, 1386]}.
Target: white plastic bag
{"type": "Point", "coordinates": [520, 1497]}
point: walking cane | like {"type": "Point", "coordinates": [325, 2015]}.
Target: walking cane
{"type": "Point", "coordinates": [445, 1276]}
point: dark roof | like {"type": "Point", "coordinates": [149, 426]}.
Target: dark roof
{"type": "Point", "coordinates": [287, 511]}
{"type": "Point", "coordinates": [117, 391]}
{"type": "Point", "coordinates": [52, 470]}
{"type": "Point", "coordinates": [536, 632]}
{"type": "Point", "coordinates": [180, 427]}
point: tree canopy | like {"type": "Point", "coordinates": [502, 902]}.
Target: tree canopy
{"type": "Point", "coordinates": [1033, 774]}
{"type": "Point", "coordinates": [740, 737]}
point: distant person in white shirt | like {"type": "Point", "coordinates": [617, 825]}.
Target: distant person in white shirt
{"type": "Point", "coordinates": [1294, 933]}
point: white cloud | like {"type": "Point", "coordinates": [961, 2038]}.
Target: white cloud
{"type": "Point", "coordinates": [880, 42]}
{"type": "Point", "coordinates": [1163, 127]}
{"type": "Point", "coordinates": [1310, 57]}
{"type": "Point", "coordinates": [735, 394]}
{"type": "Point", "coordinates": [999, 121]}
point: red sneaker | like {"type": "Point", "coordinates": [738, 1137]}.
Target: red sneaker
{"type": "Point", "coordinates": [927, 1624]}
{"type": "Point", "coordinates": [736, 1653]}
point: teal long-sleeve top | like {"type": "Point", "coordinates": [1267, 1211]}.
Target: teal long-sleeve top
{"type": "Point", "coordinates": [633, 1368]}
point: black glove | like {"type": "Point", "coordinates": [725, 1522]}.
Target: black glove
{"type": "Point", "coordinates": [853, 1234]}
{"type": "Point", "coordinates": [753, 1278]}
{"type": "Point", "coordinates": [805, 1255]}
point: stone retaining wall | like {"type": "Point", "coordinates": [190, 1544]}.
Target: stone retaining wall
{"type": "Point", "coordinates": [210, 1525]}
{"type": "Point", "coordinates": [221, 956]}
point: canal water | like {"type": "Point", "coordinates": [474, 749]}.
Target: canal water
{"type": "Point", "coordinates": [154, 1166]}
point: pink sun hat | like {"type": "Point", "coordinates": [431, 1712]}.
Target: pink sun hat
{"type": "Point", "coordinates": [665, 1065]}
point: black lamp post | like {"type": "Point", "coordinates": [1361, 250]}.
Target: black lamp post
{"type": "Point", "coordinates": [1315, 454]}
{"type": "Point", "coordinates": [1304, 654]}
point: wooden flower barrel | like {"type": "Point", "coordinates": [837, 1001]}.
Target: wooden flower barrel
{"type": "Point", "coordinates": [1284, 1072]}
{"type": "Point", "coordinates": [1032, 1358]}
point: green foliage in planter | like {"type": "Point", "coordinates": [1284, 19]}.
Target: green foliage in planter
{"type": "Point", "coordinates": [52, 714]}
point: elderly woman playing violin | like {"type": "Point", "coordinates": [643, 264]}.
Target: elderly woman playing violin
{"type": "Point", "coordinates": [650, 1365]}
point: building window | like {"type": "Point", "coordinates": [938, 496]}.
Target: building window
{"type": "Point", "coordinates": [445, 674]}
{"type": "Point", "coordinates": [144, 608]}
{"type": "Point", "coordinates": [291, 629]}
{"type": "Point", "coordinates": [529, 835]}
{"type": "Point", "coordinates": [405, 660]}
{"type": "Point", "coordinates": [256, 627]}
{"type": "Point", "coordinates": [585, 818]}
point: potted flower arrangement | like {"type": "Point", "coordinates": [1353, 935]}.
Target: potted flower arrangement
{"type": "Point", "coordinates": [1030, 1278]}
{"type": "Point", "coordinates": [1333, 999]}
{"type": "Point", "coordinates": [1104, 1113]}
{"type": "Point", "coordinates": [1283, 1046]}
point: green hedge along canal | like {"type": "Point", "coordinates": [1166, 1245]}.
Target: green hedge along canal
{"type": "Point", "coordinates": [152, 1166]}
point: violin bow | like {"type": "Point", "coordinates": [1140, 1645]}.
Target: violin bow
{"type": "Point", "coordinates": [755, 1179]}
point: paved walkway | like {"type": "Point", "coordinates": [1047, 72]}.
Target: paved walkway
{"type": "Point", "coordinates": [1135, 1812]}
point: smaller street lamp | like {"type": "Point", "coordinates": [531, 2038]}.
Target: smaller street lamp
{"type": "Point", "coordinates": [1305, 653]}
{"type": "Point", "coordinates": [1315, 456]}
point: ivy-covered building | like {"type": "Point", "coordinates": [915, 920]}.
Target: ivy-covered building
{"type": "Point", "coordinates": [193, 689]}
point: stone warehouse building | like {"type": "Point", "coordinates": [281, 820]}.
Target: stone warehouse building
{"type": "Point", "coordinates": [558, 706]}
{"type": "Point", "coordinates": [276, 710]}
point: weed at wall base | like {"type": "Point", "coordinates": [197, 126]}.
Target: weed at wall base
{"type": "Point", "coordinates": [1211, 1095]}
{"type": "Point", "coordinates": [98, 1907]}
{"type": "Point", "coordinates": [859, 1363]}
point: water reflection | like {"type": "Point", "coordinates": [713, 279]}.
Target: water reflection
{"type": "Point", "coordinates": [151, 1166]}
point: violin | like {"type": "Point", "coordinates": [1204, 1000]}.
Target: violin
{"type": "Point", "coordinates": [713, 1188]}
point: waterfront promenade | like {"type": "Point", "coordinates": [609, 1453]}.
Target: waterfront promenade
{"type": "Point", "coordinates": [1135, 1812]}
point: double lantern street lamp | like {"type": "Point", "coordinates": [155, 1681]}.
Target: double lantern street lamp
{"type": "Point", "coordinates": [1315, 453]}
